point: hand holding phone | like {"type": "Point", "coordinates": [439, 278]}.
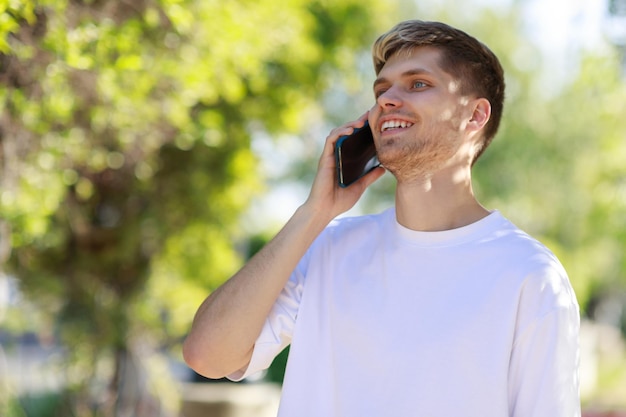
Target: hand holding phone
{"type": "Point", "coordinates": [355, 155]}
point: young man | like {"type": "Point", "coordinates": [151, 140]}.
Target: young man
{"type": "Point", "coordinates": [436, 307]}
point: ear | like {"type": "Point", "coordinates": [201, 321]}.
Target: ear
{"type": "Point", "coordinates": [480, 115]}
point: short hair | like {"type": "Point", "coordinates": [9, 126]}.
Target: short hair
{"type": "Point", "coordinates": [463, 56]}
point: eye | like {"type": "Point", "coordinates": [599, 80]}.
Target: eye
{"type": "Point", "coordinates": [379, 92]}
{"type": "Point", "coordinates": [418, 85]}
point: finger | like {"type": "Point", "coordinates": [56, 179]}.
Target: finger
{"type": "Point", "coordinates": [345, 130]}
{"type": "Point", "coordinates": [369, 178]}
{"type": "Point", "coordinates": [334, 136]}
{"type": "Point", "coordinates": [364, 116]}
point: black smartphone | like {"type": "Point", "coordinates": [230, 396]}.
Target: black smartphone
{"type": "Point", "coordinates": [355, 155]}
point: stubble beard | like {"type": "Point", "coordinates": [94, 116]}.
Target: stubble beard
{"type": "Point", "coordinates": [418, 159]}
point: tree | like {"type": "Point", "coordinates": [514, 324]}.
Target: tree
{"type": "Point", "coordinates": [126, 160]}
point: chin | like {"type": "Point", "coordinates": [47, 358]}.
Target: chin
{"type": "Point", "coordinates": [408, 168]}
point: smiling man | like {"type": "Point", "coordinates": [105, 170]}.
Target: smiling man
{"type": "Point", "coordinates": [437, 306]}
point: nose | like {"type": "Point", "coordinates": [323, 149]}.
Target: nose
{"type": "Point", "coordinates": [389, 98]}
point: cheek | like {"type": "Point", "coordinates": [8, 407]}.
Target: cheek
{"type": "Point", "coordinates": [373, 114]}
{"type": "Point", "coordinates": [445, 116]}
{"type": "Point", "coordinates": [372, 118]}
{"type": "Point", "coordinates": [452, 120]}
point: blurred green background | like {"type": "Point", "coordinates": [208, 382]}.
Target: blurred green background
{"type": "Point", "coordinates": [149, 147]}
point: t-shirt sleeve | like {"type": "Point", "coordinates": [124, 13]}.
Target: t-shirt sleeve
{"type": "Point", "coordinates": [278, 328]}
{"type": "Point", "coordinates": [543, 372]}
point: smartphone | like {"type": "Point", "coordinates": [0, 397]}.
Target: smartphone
{"type": "Point", "coordinates": [355, 155]}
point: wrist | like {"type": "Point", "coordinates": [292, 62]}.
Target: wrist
{"type": "Point", "coordinates": [315, 215]}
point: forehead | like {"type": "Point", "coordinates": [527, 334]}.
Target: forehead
{"type": "Point", "coordinates": [424, 59]}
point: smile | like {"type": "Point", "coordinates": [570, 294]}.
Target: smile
{"type": "Point", "coordinates": [395, 124]}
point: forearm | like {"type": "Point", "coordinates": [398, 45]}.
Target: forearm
{"type": "Point", "coordinates": [229, 321]}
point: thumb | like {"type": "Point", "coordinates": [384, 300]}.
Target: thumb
{"type": "Point", "coordinates": [370, 178]}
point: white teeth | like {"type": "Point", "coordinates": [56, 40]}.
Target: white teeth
{"type": "Point", "coordinates": [394, 124]}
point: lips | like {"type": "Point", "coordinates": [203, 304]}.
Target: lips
{"type": "Point", "coordinates": [395, 124]}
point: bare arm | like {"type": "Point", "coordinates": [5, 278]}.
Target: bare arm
{"type": "Point", "coordinates": [230, 320]}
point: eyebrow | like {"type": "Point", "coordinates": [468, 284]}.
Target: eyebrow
{"type": "Point", "coordinates": [405, 74]}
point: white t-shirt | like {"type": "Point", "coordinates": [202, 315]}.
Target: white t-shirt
{"type": "Point", "coordinates": [479, 321]}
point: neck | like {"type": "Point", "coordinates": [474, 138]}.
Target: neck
{"type": "Point", "coordinates": [438, 202]}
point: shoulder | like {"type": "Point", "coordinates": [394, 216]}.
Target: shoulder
{"type": "Point", "coordinates": [517, 246]}
{"type": "Point", "coordinates": [545, 285]}
{"type": "Point", "coordinates": [346, 235]}
{"type": "Point", "coordinates": [358, 227]}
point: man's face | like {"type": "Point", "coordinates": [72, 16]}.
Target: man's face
{"type": "Point", "coordinates": [420, 116]}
